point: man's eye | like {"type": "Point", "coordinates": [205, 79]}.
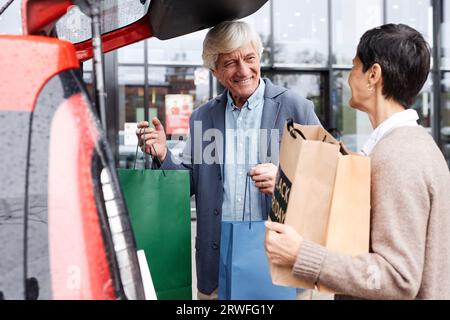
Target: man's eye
{"type": "Point", "coordinates": [229, 63]}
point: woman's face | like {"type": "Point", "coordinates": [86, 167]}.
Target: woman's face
{"type": "Point", "coordinates": [359, 86]}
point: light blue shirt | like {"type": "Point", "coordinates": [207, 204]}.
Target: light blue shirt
{"type": "Point", "coordinates": [242, 126]}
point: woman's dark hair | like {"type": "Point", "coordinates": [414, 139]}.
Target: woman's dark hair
{"type": "Point", "coordinates": [404, 57]}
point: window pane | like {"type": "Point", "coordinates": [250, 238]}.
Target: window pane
{"type": "Point", "coordinates": [415, 13]}
{"type": "Point", "coordinates": [301, 31]}
{"type": "Point", "coordinates": [181, 88]}
{"type": "Point", "coordinates": [445, 113]}
{"type": "Point", "coordinates": [10, 22]}
{"type": "Point", "coordinates": [132, 54]}
{"type": "Point", "coordinates": [87, 65]}
{"type": "Point", "coordinates": [424, 104]}
{"type": "Point", "coordinates": [131, 75]}
{"type": "Point", "coordinates": [131, 110]}
{"type": "Point", "coordinates": [184, 49]}
{"type": "Point", "coordinates": [351, 18]}
{"type": "Point", "coordinates": [310, 86]}
{"type": "Point", "coordinates": [191, 84]}
{"type": "Point", "coordinates": [75, 27]}
{"type": "Point", "coordinates": [260, 21]}
{"type": "Point", "coordinates": [131, 94]}
{"type": "Point", "coordinates": [446, 35]}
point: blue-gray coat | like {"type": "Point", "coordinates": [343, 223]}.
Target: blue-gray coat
{"type": "Point", "coordinates": [280, 104]}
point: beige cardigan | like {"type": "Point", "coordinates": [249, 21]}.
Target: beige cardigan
{"type": "Point", "coordinates": [410, 227]}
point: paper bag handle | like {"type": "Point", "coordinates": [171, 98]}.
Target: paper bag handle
{"type": "Point", "coordinates": [156, 163]}
{"type": "Point", "coordinates": [247, 186]}
{"type": "Point", "coordinates": [292, 130]}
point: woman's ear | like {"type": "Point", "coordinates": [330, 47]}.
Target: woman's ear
{"type": "Point", "coordinates": [375, 74]}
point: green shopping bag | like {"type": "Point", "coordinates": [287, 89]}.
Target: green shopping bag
{"type": "Point", "coordinates": [159, 207]}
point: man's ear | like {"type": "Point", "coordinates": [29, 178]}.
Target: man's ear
{"type": "Point", "coordinates": [375, 74]}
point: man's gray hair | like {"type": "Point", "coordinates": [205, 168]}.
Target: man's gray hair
{"type": "Point", "coordinates": [227, 37]}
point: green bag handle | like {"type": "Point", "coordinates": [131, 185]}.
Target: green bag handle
{"type": "Point", "coordinates": [155, 159]}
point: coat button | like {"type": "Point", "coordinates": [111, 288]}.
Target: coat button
{"type": "Point", "coordinates": [215, 246]}
{"type": "Point", "coordinates": [216, 212]}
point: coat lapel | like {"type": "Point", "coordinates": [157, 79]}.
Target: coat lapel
{"type": "Point", "coordinates": [269, 116]}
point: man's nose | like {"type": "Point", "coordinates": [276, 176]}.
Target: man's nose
{"type": "Point", "coordinates": [243, 68]}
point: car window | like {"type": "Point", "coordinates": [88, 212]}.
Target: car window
{"type": "Point", "coordinates": [75, 26]}
{"type": "Point", "coordinates": [10, 22]}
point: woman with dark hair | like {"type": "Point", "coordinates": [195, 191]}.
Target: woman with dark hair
{"type": "Point", "coordinates": [410, 188]}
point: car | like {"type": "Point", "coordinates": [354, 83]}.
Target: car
{"type": "Point", "coordinates": [65, 232]}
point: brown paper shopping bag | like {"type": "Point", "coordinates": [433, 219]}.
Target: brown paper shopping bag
{"type": "Point", "coordinates": [323, 191]}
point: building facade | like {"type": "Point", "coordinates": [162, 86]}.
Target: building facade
{"type": "Point", "coordinates": [308, 47]}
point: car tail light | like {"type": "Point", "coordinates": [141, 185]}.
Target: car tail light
{"type": "Point", "coordinates": [92, 250]}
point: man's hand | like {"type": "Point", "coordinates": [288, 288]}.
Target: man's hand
{"type": "Point", "coordinates": [282, 244]}
{"type": "Point", "coordinates": [264, 176]}
{"type": "Point", "coordinates": [155, 138]}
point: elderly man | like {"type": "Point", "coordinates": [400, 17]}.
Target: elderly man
{"type": "Point", "coordinates": [230, 136]}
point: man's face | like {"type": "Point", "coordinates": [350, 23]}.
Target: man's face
{"type": "Point", "coordinates": [239, 72]}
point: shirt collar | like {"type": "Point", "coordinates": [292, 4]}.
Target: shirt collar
{"type": "Point", "coordinates": [404, 118]}
{"type": "Point", "coordinates": [252, 101]}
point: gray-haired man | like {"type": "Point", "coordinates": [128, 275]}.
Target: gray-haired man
{"type": "Point", "coordinates": [249, 105]}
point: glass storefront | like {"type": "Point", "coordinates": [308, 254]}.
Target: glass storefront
{"type": "Point", "coordinates": [445, 116]}
{"type": "Point", "coordinates": [10, 23]}
{"type": "Point", "coordinates": [445, 28]}
{"type": "Point", "coordinates": [299, 53]}
{"type": "Point", "coordinates": [350, 19]}
{"type": "Point", "coordinates": [445, 85]}
{"type": "Point", "coordinates": [415, 13]}
{"type": "Point", "coordinates": [173, 93]}
{"type": "Point", "coordinates": [301, 32]}
{"type": "Point", "coordinates": [309, 85]}
{"type": "Point", "coordinates": [186, 49]}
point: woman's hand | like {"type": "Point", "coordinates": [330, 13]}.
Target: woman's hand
{"type": "Point", "coordinates": [282, 244]}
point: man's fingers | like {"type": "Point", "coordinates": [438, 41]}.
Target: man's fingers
{"type": "Point", "coordinates": [142, 124]}
{"type": "Point", "coordinates": [152, 135]}
{"type": "Point", "coordinates": [267, 191]}
{"type": "Point", "coordinates": [265, 184]}
{"type": "Point", "coordinates": [157, 124]}
{"type": "Point", "coordinates": [262, 168]}
{"type": "Point", "coordinates": [262, 177]}
{"type": "Point", "coordinates": [150, 142]}
{"type": "Point", "coordinates": [256, 171]}
{"type": "Point", "coordinates": [144, 130]}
